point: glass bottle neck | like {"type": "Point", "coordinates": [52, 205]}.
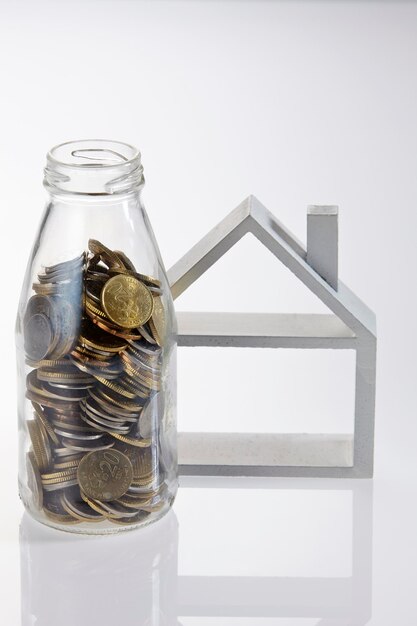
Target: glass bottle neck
{"type": "Point", "coordinates": [93, 168]}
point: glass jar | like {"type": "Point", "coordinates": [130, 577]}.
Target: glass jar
{"type": "Point", "coordinates": [96, 350]}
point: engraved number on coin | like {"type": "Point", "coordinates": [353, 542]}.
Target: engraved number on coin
{"type": "Point", "coordinates": [109, 468]}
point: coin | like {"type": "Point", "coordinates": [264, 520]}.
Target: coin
{"type": "Point", "coordinates": [143, 461]}
{"type": "Point", "coordinates": [157, 322]}
{"type": "Point", "coordinates": [126, 301]}
{"type": "Point", "coordinates": [65, 266]}
{"type": "Point", "coordinates": [139, 517]}
{"type": "Point", "coordinates": [152, 413]}
{"type": "Point", "coordinates": [111, 328]}
{"type": "Point", "coordinates": [40, 444]}
{"type": "Point", "coordinates": [96, 339]}
{"type": "Point", "coordinates": [39, 414]}
{"type": "Point", "coordinates": [54, 511]}
{"type": "Point", "coordinates": [125, 260]}
{"type": "Point", "coordinates": [105, 475]}
{"type": "Point", "coordinates": [79, 509]}
{"type": "Point", "coordinates": [145, 333]}
{"type": "Point", "coordinates": [34, 480]}
{"type": "Point", "coordinates": [67, 325]}
{"type": "Point", "coordinates": [67, 464]}
{"type": "Point", "coordinates": [104, 253]}
{"type": "Point", "coordinates": [140, 443]}
{"type": "Point", "coordinates": [115, 510]}
{"type": "Point", "coordinates": [37, 336]}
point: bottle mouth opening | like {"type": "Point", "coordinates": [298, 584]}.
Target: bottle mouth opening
{"type": "Point", "coordinates": [94, 167]}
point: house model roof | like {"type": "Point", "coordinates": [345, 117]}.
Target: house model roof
{"type": "Point", "coordinates": [311, 265]}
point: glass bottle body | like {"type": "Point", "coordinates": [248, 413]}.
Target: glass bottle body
{"type": "Point", "coordinates": [96, 353]}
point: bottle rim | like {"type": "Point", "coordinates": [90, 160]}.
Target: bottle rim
{"type": "Point", "coordinates": [93, 167]}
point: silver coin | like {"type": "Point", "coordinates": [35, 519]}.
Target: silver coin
{"type": "Point", "coordinates": [38, 336]}
{"type": "Point", "coordinates": [88, 447]}
{"type": "Point", "coordinates": [150, 350]}
{"type": "Point", "coordinates": [104, 425]}
{"type": "Point", "coordinates": [81, 509]}
{"type": "Point", "coordinates": [151, 416]}
{"type": "Point", "coordinates": [63, 452]}
{"type": "Point", "coordinates": [130, 415]}
{"type": "Point", "coordinates": [78, 435]}
{"type": "Point", "coordinates": [92, 410]}
{"type": "Point", "coordinates": [66, 265]}
{"type": "Point", "coordinates": [118, 511]}
{"type": "Point", "coordinates": [137, 363]}
{"type": "Point", "coordinates": [142, 330]}
{"type": "Point", "coordinates": [105, 428]}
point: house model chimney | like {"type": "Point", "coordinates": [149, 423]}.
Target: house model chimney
{"type": "Point", "coordinates": [322, 241]}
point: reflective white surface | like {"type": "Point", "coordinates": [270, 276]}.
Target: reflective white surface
{"type": "Point", "coordinates": [234, 551]}
{"type": "Point", "coordinates": [297, 103]}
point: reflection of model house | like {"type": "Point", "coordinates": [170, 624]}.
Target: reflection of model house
{"type": "Point", "coordinates": [351, 326]}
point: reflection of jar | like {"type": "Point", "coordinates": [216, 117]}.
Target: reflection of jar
{"type": "Point", "coordinates": [68, 580]}
{"type": "Point", "coordinates": [96, 350]}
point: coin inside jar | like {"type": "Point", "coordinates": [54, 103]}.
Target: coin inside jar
{"type": "Point", "coordinates": [105, 475]}
{"type": "Point", "coordinates": [126, 301]}
{"type": "Point", "coordinates": [37, 336]}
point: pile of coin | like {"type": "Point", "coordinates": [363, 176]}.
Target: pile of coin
{"type": "Point", "coordinates": [93, 335]}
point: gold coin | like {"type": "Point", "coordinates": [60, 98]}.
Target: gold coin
{"type": "Point", "coordinates": [101, 341]}
{"type": "Point", "coordinates": [157, 322]}
{"type": "Point", "coordinates": [144, 482]}
{"type": "Point", "coordinates": [135, 387]}
{"type": "Point", "coordinates": [94, 505]}
{"type": "Point", "coordinates": [58, 476]}
{"type": "Point", "coordinates": [126, 301]}
{"type": "Point", "coordinates": [108, 256]}
{"type": "Point", "coordinates": [67, 464]}
{"type": "Point", "coordinates": [105, 475]}
{"type": "Point", "coordinates": [148, 382]}
{"type": "Point", "coordinates": [40, 443]}
{"type": "Point", "coordinates": [140, 443]}
{"type": "Point", "coordinates": [134, 504]}
{"type": "Point", "coordinates": [59, 518]}
{"type": "Point", "coordinates": [117, 388]}
{"type": "Point", "coordinates": [142, 459]}
{"type": "Point", "coordinates": [59, 485]}
{"type": "Point", "coordinates": [111, 399]}
{"type": "Point", "coordinates": [149, 279]}
{"type": "Point", "coordinates": [39, 414]}
{"type": "Point", "coordinates": [93, 309]}
{"type": "Point", "coordinates": [154, 507]}
{"type": "Point", "coordinates": [34, 480]}
{"type": "Point", "coordinates": [110, 328]}
{"type": "Point", "coordinates": [49, 363]}
{"type": "Point", "coordinates": [125, 260]}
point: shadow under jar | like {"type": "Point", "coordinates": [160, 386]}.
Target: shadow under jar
{"type": "Point", "coordinates": [96, 350]}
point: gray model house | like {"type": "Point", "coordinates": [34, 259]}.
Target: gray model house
{"type": "Point", "coordinates": [351, 326]}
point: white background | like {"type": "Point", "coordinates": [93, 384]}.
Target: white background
{"type": "Point", "coordinates": [298, 103]}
